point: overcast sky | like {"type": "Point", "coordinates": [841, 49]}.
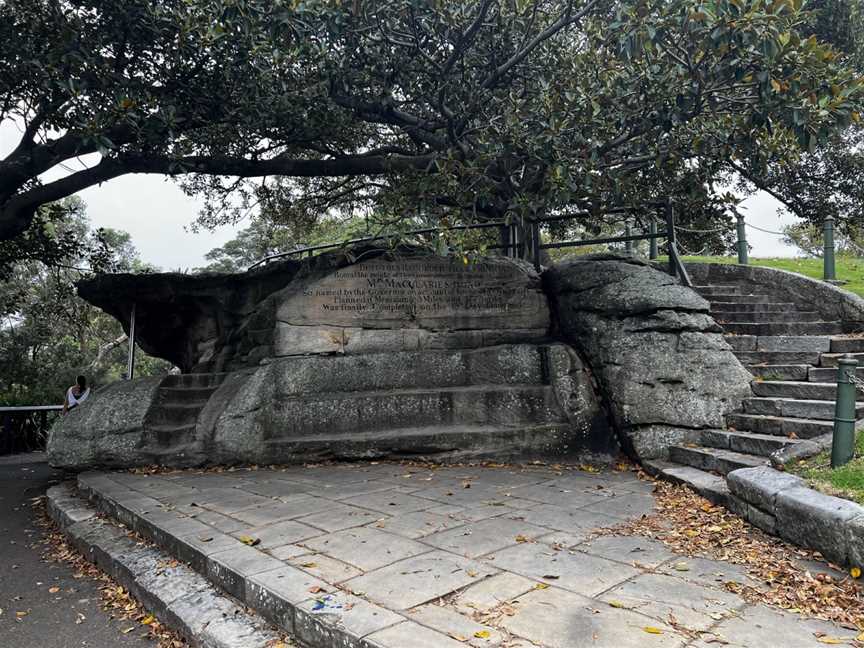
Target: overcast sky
{"type": "Point", "coordinates": [157, 215]}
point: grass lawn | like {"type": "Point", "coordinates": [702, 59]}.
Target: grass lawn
{"type": "Point", "coordinates": [846, 481]}
{"type": "Point", "coordinates": [848, 268]}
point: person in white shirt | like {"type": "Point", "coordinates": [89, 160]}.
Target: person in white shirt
{"type": "Point", "coordinates": [76, 394]}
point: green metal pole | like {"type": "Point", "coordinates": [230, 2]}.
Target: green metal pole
{"type": "Point", "coordinates": [742, 240]}
{"type": "Point", "coordinates": [628, 245]}
{"type": "Point", "coordinates": [652, 244]}
{"type": "Point", "coordinates": [829, 273]}
{"type": "Point", "coordinates": [843, 440]}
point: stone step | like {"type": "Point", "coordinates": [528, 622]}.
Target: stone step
{"type": "Point", "coordinates": [778, 357]}
{"type": "Point", "coordinates": [830, 359]}
{"type": "Point", "coordinates": [751, 307]}
{"type": "Point", "coordinates": [765, 317]}
{"type": "Point", "coordinates": [183, 600]}
{"type": "Point", "coordinates": [845, 344]}
{"type": "Point", "coordinates": [784, 328]}
{"type": "Point", "coordinates": [336, 413]}
{"type": "Point", "coordinates": [439, 443]}
{"type": "Point", "coordinates": [797, 389]}
{"type": "Point", "coordinates": [710, 486]}
{"type": "Point", "coordinates": [506, 364]}
{"type": "Point", "coordinates": [780, 371]}
{"type": "Point", "coordinates": [169, 437]}
{"type": "Point", "coordinates": [761, 445]}
{"type": "Point", "coordinates": [788, 343]}
{"type": "Point", "coordinates": [178, 414]}
{"type": "Point", "coordinates": [779, 425]}
{"type": "Point", "coordinates": [713, 459]}
{"type": "Point", "coordinates": [828, 374]}
{"type": "Point", "coordinates": [746, 299]}
{"type": "Point", "coordinates": [731, 289]}
{"type": "Point", "coordinates": [193, 380]}
{"type": "Point", "coordinates": [822, 410]}
{"type": "Point", "coordinates": [185, 394]}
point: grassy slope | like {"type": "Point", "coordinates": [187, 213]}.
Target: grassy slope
{"type": "Point", "coordinates": [850, 269]}
{"type": "Point", "coordinates": [846, 481]}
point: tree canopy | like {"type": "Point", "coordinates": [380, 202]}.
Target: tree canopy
{"type": "Point", "coordinates": [465, 109]}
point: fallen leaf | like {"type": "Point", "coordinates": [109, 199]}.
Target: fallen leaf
{"type": "Point", "coordinates": [541, 586]}
{"type": "Point", "coordinates": [551, 576]}
{"type": "Point", "coordinates": [53, 590]}
{"type": "Point", "coordinates": [482, 634]}
{"type": "Point", "coordinates": [249, 540]}
{"type": "Point", "coordinates": [652, 630]}
{"type": "Point", "coordinates": [205, 538]}
{"type": "Point", "coordinates": [855, 572]}
{"type": "Point", "coordinates": [315, 589]}
{"type": "Point", "coordinates": [309, 565]}
{"type": "Point", "coordinates": [148, 620]}
{"type": "Point", "coordinates": [681, 566]}
{"type": "Point", "coordinates": [618, 604]}
{"type": "Point", "coordinates": [834, 641]}
{"type": "Point", "coordinates": [521, 538]}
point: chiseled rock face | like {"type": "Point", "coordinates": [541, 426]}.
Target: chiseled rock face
{"type": "Point", "coordinates": [663, 366]}
{"type": "Point", "coordinates": [408, 303]}
{"type": "Point", "coordinates": [445, 404]}
{"type": "Point", "coordinates": [108, 429]}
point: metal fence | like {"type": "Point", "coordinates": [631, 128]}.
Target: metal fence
{"type": "Point", "coordinates": [523, 240]}
{"type": "Point", "coordinates": [24, 429]}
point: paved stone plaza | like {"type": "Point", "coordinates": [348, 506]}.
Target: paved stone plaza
{"type": "Point", "coordinates": [440, 558]}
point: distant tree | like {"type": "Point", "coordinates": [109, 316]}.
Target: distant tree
{"type": "Point", "coordinates": [826, 179]}
{"type": "Point", "coordinates": [47, 333]}
{"type": "Point", "coordinates": [464, 110]}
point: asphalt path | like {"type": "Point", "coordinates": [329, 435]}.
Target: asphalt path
{"type": "Point", "coordinates": [31, 616]}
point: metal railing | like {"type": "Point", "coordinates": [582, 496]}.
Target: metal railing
{"type": "Point", "coordinates": [25, 428]}
{"type": "Point", "coordinates": [523, 240]}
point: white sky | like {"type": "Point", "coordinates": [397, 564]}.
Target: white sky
{"type": "Point", "coordinates": [157, 213]}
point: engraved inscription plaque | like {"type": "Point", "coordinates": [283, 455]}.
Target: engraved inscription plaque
{"type": "Point", "coordinates": [426, 292]}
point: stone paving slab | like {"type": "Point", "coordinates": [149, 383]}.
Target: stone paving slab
{"type": "Point", "coordinates": [390, 556]}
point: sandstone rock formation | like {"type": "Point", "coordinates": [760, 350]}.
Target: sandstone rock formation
{"type": "Point", "coordinates": [663, 366]}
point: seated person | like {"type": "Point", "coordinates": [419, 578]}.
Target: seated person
{"type": "Point", "coordinates": [76, 394]}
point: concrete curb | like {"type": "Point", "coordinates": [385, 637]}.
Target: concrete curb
{"type": "Point", "coordinates": [782, 505]}
{"type": "Point", "coordinates": [181, 598]}
{"type": "Point", "coordinates": [312, 611]}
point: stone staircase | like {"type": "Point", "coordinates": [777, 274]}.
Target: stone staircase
{"type": "Point", "coordinates": [171, 420]}
{"type": "Point", "coordinates": [509, 401]}
{"type": "Point", "coordinates": [792, 352]}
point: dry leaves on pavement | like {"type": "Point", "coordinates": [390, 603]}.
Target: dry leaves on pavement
{"type": "Point", "coordinates": [690, 525]}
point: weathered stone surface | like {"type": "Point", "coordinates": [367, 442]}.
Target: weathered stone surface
{"type": "Point", "coordinates": [661, 361]}
{"type": "Point", "coordinates": [372, 405]}
{"type": "Point", "coordinates": [105, 430]}
{"type": "Point", "coordinates": [811, 519]}
{"type": "Point", "coordinates": [760, 486]}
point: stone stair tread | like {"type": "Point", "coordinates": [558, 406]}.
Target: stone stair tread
{"type": "Point", "coordinates": [714, 459]}
{"type": "Point", "coordinates": [184, 405]}
{"type": "Point", "coordinates": [823, 426]}
{"type": "Point", "coordinates": [712, 487]}
{"type": "Point", "coordinates": [485, 388]}
{"type": "Point", "coordinates": [167, 427]}
{"type": "Point", "coordinates": [426, 430]}
{"type": "Point", "coordinates": [750, 443]}
{"type": "Point", "coordinates": [825, 390]}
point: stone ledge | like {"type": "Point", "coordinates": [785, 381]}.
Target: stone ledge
{"type": "Point", "coordinates": [181, 598]}
{"type": "Point", "coordinates": [782, 504]}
